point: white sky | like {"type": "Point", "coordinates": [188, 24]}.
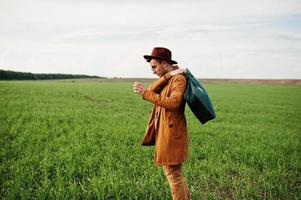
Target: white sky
{"type": "Point", "coordinates": [214, 39]}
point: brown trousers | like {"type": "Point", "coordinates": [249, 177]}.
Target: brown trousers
{"type": "Point", "coordinates": [178, 186]}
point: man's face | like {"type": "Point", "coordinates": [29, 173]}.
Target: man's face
{"type": "Point", "coordinates": [157, 68]}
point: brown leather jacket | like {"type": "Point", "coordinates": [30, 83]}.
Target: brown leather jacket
{"type": "Point", "coordinates": [171, 142]}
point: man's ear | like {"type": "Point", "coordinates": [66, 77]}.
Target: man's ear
{"type": "Point", "coordinates": [164, 64]}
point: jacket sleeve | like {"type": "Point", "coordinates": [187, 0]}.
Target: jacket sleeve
{"type": "Point", "coordinates": [172, 102]}
{"type": "Point", "coordinates": [159, 84]}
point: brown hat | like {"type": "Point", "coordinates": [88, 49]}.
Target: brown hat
{"type": "Point", "coordinates": [160, 53]}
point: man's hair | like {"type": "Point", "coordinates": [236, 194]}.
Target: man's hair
{"type": "Point", "coordinates": [161, 60]}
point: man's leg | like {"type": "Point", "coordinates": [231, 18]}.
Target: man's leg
{"type": "Point", "coordinates": [178, 186]}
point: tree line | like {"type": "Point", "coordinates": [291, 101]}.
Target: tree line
{"type": "Point", "coordinates": [12, 75]}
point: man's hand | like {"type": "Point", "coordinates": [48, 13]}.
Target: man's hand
{"type": "Point", "coordinates": [177, 71]}
{"type": "Point", "coordinates": [138, 88]}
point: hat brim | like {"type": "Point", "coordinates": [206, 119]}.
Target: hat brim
{"type": "Point", "coordinates": [148, 59]}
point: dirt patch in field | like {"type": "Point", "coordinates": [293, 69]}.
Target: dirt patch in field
{"type": "Point", "coordinates": [91, 98]}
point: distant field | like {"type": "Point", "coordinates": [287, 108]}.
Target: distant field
{"type": "Point", "coordinates": [205, 81]}
{"type": "Point", "coordinates": [78, 139]}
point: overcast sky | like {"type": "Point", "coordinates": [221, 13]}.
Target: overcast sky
{"type": "Point", "coordinates": [214, 39]}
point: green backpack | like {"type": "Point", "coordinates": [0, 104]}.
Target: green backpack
{"type": "Point", "coordinates": [197, 99]}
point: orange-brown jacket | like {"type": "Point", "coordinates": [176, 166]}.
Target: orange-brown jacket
{"type": "Point", "coordinates": [171, 141]}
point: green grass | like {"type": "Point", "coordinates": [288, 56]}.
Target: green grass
{"type": "Point", "coordinates": [74, 140]}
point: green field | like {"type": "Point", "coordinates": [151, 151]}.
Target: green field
{"type": "Point", "coordinates": [81, 140]}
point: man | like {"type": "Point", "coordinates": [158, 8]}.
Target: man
{"type": "Point", "coordinates": [167, 127]}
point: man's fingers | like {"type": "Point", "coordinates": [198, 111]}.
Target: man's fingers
{"type": "Point", "coordinates": [138, 88]}
{"type": "Point", "coordinates": [138, 91]}
{"type": "Point", "coordinates": [137, 83]}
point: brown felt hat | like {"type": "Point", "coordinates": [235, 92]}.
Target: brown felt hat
{"type": "Point", "coordinates": [160, 53]}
